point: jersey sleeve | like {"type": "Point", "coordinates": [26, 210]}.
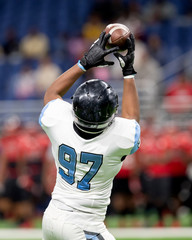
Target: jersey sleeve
{"type": "Point", "coordinates": [127, 135]}
{"type": "Point", "coordinates": [137, 140]}
{"type": "Point", "coordinates": [53, 112]}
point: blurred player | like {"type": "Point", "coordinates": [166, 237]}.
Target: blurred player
{"type": "Point", "coordinates": [15, 199]}
{"type": "Point", "coordinates": [89, 144]}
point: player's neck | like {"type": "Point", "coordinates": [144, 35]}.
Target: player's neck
{"type": "Point", "coordinates": [83, 134]}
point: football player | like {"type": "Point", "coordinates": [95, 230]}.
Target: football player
{"type": "Point", "coordinates": [89, 143]}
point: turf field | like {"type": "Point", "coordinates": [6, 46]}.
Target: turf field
{"type": "Point", "coordinates": [119, 233]}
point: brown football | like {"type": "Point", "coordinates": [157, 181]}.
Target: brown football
{"type": "Point", "coordinates": [119, 34]}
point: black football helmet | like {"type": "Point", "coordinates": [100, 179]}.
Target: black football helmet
{"type": "Point", "coordinates": [94, 104]}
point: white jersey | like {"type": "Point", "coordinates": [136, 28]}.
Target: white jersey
{"type": "Point", "coordinates": [86, 168]}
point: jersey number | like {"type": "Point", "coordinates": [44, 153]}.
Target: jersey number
{"type": "Point", "coordinates": [68, 161]}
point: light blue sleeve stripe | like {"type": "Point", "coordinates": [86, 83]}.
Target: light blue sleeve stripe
{"type": "Point", "coordinates": [43, 110]}
{"type": "Point", "coordinates": [137, 139]}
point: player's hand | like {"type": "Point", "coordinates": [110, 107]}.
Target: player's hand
{"type": "Point", "coordinates": [95, 56]}
{"type": "Point", "coordinates": [127, 61]}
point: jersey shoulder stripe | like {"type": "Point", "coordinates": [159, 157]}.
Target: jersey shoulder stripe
{"type": "Point", "coordinates": [55, 111]}
{"type": "Point", "coordinates": [137, 139]}
{"type": "Point", "coordinates": [43, 110]}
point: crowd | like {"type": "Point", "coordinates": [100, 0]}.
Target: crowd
{"type": "Point", "coordinates": [158, 177]}
{"type": "Point", "coordinates": [36, 55]}
{"type": "Point", "coordinates": [27, 171]}
{"type": "Point", "coordinates": [159, 173]}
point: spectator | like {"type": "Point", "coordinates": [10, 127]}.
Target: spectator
{"type": "Point", "coordinates": [49, 172]}
{"type": "Point", "coordinates": [178, 95]}
{"type": "Point", "coordinates": [11, 45]}
{"type": "Point", "coordinates": [34, 146]}
{"type": "Point", "coordinates": [35, 45]}
{"type": "Point", "coordinates": [163, 166]}
{"type": "Point", "coordinates": [92, 28]}
{"type": "Point", "coordinates": [4, 206]}
{"type": "Point", "coordinates": [45, 74]}
{"type": "Point", "coordinates": [76, 47]}
{"type": "Point", "coordinates": [122, 198]}
{"type": "Point", "coordinates": [15, 199]}
{"type": "Point", "coordinates": [155, 176]}
{"type": "Point", "coordinates": [178, 163]}
{"type": "Point", "coordinates": [23, 84]}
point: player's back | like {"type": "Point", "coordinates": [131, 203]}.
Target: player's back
{"type": "Point", "coordinates": [86, 168]}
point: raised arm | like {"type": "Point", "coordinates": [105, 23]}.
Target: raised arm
{"type": "Point", "coordinates": [63, 83]}
{"type": "Point", "coordinates": [130, 100]}
{"type": "Point", "coordinates": [93, 58]}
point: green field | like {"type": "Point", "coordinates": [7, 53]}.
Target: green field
{"type": "Point", "coordinates": [175, 233]}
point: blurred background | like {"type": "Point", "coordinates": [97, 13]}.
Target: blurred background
{"type": "Point", "coordinates": [39, 40]}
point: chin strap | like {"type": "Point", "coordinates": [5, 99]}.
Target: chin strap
{"type": "Point", "coordinates": [83, 130]}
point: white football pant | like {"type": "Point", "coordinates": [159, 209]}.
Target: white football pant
{"type": "Point", "coordinates": [65, 225]}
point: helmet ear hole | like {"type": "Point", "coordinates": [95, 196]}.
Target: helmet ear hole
{"type": "Point", "coordinates": [95, 104]}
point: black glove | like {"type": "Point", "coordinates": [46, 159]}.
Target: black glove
{"type": "Point", "coordinates": [126, 62]}
{"type": "Point", "coordinates": [95, 56]}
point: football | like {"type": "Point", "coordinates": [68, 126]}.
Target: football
{"type": "Point", "coordinates": [119, 34]}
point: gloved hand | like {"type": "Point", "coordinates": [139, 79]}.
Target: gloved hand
{"type": "Point", "coordinates": [95, 56]}
{"type": "Point", "coordinates": [126, 62]}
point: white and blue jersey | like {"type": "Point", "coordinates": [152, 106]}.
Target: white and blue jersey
{"type": "Point", "coordinates": [86, 168]}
